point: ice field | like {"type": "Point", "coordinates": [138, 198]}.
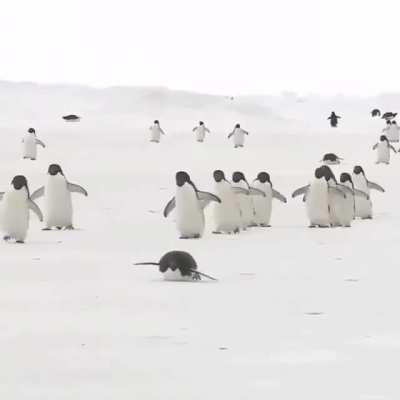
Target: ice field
{"type": "Point", "coordinates": [297, 313]}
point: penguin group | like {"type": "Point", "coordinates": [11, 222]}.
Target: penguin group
{"type": "Point", "coordinates": [238, 205]}
{"type": "Point", "coordinates": [390, 134]}
{"type": "Point", "coordinates": [17, 202]}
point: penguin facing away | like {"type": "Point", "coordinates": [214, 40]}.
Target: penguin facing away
{"type": "Point", "coordinates": [29, 145]}
{"type": "Point", "coordinates": [14, 210]}
{"type": "Point", "coordinates": [376, 112]}
{"type": "Point", "coordinates": [334, 119]}
{"type": "Point", "coordinates": [189, 203]}
{"type": "Point", "coordinates": [58, 202]}
{"type": "Point", "coordinates": [238, 135]}
{"type": "Point", "coordinates": [263, 205]}
{"type": "Point", "coordinates": [178, 266]}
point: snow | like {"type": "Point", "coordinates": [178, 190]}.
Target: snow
{"type": "Point", "coordinates": [296, 313]}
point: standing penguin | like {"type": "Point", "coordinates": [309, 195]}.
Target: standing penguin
{"type": "Point", "coordinates": [263, 205]}
{"type": "Point", "coordinates": [14, 210]}
{"type": "Point", "coordinates": [29, 143]}
{"type": "Point", "coordinates": [245, 201]}
{"type": "Point", "coordinates": [393, 134]}
{"type": "Point", "coordinates": [189, 203]}
{"type": "Point", "coordinates": [347, 204]}
{"type": "Point", "coordinates": [200, 131]}
{"type": "Point", "coordinates": [58, 202]}
{"type": "Point", "coordinates": [383, 147]}
{"type": "Point", "coordinates": [238, 136]}
{"type": "Point", "coordinates": [334, 119]}
{"type": "Point", "coordinates": [363, 207]}
{"type": "Point", "coordinates": [316, 196]}
{"type": "Point", "coordinates": [156, 132]}
{"type": "Point", "coordinates": [227, 213]}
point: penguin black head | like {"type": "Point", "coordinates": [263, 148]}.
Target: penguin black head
{"type": "Point", "coordinates": [237, 126]}
{"type": "Point", "coordinates": [319, 173]}
{"type": "Point", "coordinates": [345, 177]}
{"type": "Point", "coordinates": [201, 123]}
{"type": "Point", "coordinates": [394, 122]}
{"type": "Point", "coordinates": [264, 177]}
{"type": "Point", "coordinates": [219, 175]}
{"type": "Point", "coordinates": [238, 176]}
{"type": "Point", "coordinates": [383, 138]}
{"type": "Point", "coordinates": [358, 170]}
{"type": "Point", "coordinates": [182, 177]}
{"type": "Point", "coordinates": [328, 173]}
{"type": "Point", "coordinates": [55, 169]}
{"type": "Point", "coordinates": [388, 122]}
{"type": "Point", "coordinates": [31, 130]}
{"type": "Point", "coordinates": [156, 121]}
{"type": "Point", "coordinates": [19, 182]}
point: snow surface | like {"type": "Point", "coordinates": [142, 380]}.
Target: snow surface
{"type": "Point", "coordinates": [296, 313]}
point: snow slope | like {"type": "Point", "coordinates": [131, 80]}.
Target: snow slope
{"type": "Point", "coordinates": [296, 313]}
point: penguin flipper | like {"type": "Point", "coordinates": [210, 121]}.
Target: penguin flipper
{"type": "Point", "coordinates": [2, 195]}
{"type": "Point", "coordinates": [279, 196]}
{"type": "Point", "coordinates": [194, 271]}
{"type": "Point", "coordinates": [39, 142]}
{"type": "Point", "coordinates": [37, 193]}
{"type": "Point", "coordinates": [375, 186]}
{"type": "Point", "coordinates": [256, 192]}
{"type": "Point", "coordinates": [360, 193]}
{"type": "Point", "coordinates": [337, 190]}
{"type": "Point", "coordinates": [239, 190]}
{"type": "Point", "coordinates": [169, 207]}
{"type": "Point", "coordinates": [375, 146]}
{"type": "Point", "coordinates": [346, 189]}
{"type": "Point", "coordinates": [300, 191]}
{"type": "Point", "coordinates": [73, 187]}
{"type": "Point", "coordinates": [35, 208]}
{"type": "Point", "coordinates": [207, 197]}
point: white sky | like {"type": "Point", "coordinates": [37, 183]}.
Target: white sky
{"type": "Point", "coordinates": [216, 46]}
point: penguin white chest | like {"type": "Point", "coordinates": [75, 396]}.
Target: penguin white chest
{"type": "Point", "coordinates": [317, 203]}
{"type": "Point", "coordinates": [155, 134]}
{"type": "Point", "coordinates": [363, 207]}
{"type": "Point", "coordinates": [383, 153]}
{"type": "Point", "coordinates": [15, 214]}
{"type": "Point", "coordinates": [226, 213]}
{"type": "Point", "coordinates": [58, 203]}
{"type": "Point", "coordinates": [29, 146]}
{"type": "Point", "coordinates": [263, 205]}
{"type": "Point", "coordinates": [190, 215]}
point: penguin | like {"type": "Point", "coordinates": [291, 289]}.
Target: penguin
{"type": "Point", "coordinates": [238, 136]}
{"type": "Point", "coordinates": [331, 159]}
{"type": "Point", "coordinates": [347, 204]}
{"type": "Point", "coordinates": [29, 143]}
{"type": "Point", "coordinates": [363, 207]}
{"type": "Point", "coordinates": [190, 203]}
{"type": "Point", "coordinates": [227, 217]}
{"type": "Point", "coordinates": [383, 153]}
{"type": "Point", "coordinates": [200, 131]}
{"type": "Point", "coordinates": [334, 119]}
{"type": "Point", "coordinates": [376, 112]}
{"type": "Point", "coordinates": [58, 202]}
{"type": "Point", "coordinates": [14, 210]}
{"type": "Point", "coordinates": [71, 118]}
{"type": "Point", "coordinates": [316, 196]}
{"type": "Point", "coordinates": [263, 205]}
{"type": "Point", "coordinates": [389, 115]}
{"type": "Point", "coordinates": [246, 205]}
{"type": "Point", "coordinates": [178, 266]}
{"type": "Point", "coordinates": [156, 132]}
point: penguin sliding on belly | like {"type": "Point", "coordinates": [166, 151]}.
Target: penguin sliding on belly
{"type": "Point", "coordinates": [58, 202]}
{"type": "Point", "coordinates": [189, 203]}
{"type": "Point", "coordinates": [14, 210]}
{"type": "Point", "coordinates": [227, 213]}
{"type": "Point", "coordinates": [383, 148]}
{"type": "Point", "coordinates": [363, 207]}
{"type": "Point", "coordinates": [178, 266]}
{"type": "Point", "coordinates": [331, 159]}
{"type": "Point", "coordinates": [263, 204]}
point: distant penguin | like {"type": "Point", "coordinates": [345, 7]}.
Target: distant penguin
{"type": "Point", "coordinates": [29, 143]}
{"type": "Point", "coordinates": [178, 266]}
{"type": "Point", "coordinates": [363, 207]}
{"type": "Point", "coordinates": [383, 148]}
{"type": "Point", "coordinates": [71, 118]}
{"type": "Point", "coordinates": [334, 119]}
{"type": "Point", "coordinates": [347, 204]}
{"type": "Point", "coordinates": [331, 159]}
{"type": "Point", "coordinates": [376, 112]}
{"type": "Point", "coordinates": [200, 131]}
{"type": "Point", "coordinates": [316, 196]}
{"type": "Point", "coordinates": [389, 115]}
{"type": "Point", "coordinates": [189, 203]}
{"type": "Point", "coordinates": [393, 133]}
{"type": "Point", "coordinates": [238, 135]}
{"type": "Point", "coordinates": [58, 202]}
{"type": "Point", "coordinates": [263, 205]}
{"type": "Point", "coordinates": [227, 217]}
{"type": "Point", "coordinates": [156, 132]}
{"type": "Point", "coordinates": [14, 210]}
{"type": "Point", "coordinates": [245, 200]}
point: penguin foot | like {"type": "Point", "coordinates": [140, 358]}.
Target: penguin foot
{"type": "Point", "coordinates": [369, 217]}
{"type": "Point", "coordinates": [33, 159]}
{"type": "Point", "coordinates": [253, 225]}
{"type": "Point", "coordinates": [46, 229]}
{"type": "Point", "coordinates": [19, 241]}
{"type": "Point", "coordinates": [236, 231]}
{"type": "Point", "coordinates": [69, 228]}
{"type": "Point", "coordinates": [312, 226]}
{"type": "Point", "coordinates": [6, 238]}
{"type": "Point", "coordinates": [265, 226]}
{"type": "Point", "coordinates": [217, 233]}
{"type": "Point", "coordinates": [196, 276]}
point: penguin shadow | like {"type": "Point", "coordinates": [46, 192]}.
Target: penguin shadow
{"type": "Point", "coordinates": [351, 280]}
{"type": "Point", "coordinates": [314, 313]}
